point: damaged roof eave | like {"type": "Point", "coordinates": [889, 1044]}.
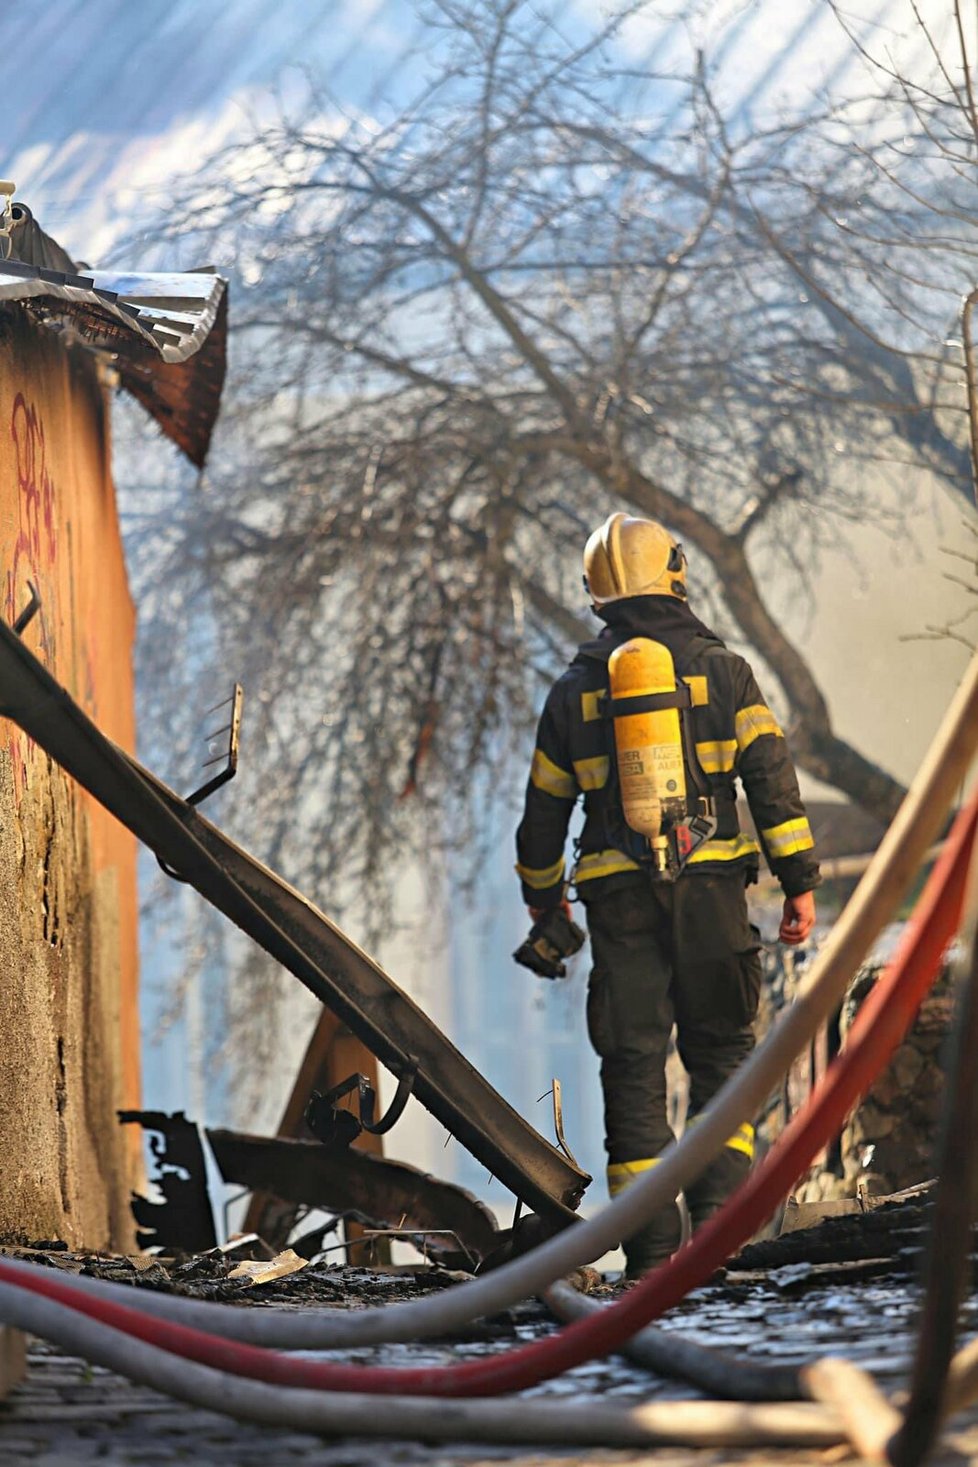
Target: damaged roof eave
{"type": "Point", "coordinates": [166, 332]}
{"type": "Point", "coordinates": [172, 314]}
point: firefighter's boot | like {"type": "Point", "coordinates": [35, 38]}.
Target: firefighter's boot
{"type": "Point", "coordinates": [653, 1243]}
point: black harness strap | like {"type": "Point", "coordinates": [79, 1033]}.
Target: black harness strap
{"type": "Point", "coordinates": [682, 697]}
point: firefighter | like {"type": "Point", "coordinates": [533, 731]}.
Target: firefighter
{"type": "Point", "coordinates": [671, 941]}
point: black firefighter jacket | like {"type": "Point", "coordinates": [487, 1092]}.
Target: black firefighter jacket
{"type": "Point", "coordinates": [736, 737]}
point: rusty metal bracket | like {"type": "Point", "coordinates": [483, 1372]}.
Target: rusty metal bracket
{"type": "Point", "coordinates": [335, 1127]}
{"type": "Point", "coordinates": [228, 756]}
{"type": "Point", "coordinates": [30, 610]}
{"type": "Point", "coordinates": [296, 934]}
{"type": "Point", "coordinates": [559, 1122]}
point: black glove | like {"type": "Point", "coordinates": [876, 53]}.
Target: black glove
{"type": "Point", "coordinates": [553, 936]}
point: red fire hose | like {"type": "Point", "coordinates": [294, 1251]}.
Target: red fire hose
{"type": "Point", "coordinates": [875, 1034]}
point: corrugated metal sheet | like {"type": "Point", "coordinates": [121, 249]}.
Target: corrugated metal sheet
{"type": "Point", "coordinates": [166, 334]}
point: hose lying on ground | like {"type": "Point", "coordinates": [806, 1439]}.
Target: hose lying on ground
{"type": "Point", "coordinates": [666, 1353]}
{"type": "Point", "coordinates": [875, 1033]}
{"type": "Point", "coordinates": [925, 939]}
{"type": "Point", "coordinates": [887, 879]}
{"type": "Point", "coordinates": [947, 1267]}
{"type": "Point", "coordinates": [544, 1423]}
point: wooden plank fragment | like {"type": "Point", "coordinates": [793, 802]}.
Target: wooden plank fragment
{"type": "Point", "coordinates": [13, 1358]}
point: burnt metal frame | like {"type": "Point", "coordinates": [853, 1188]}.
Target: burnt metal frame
{"type": "Point", "coordinates": [373, 1190]}
{"type": "Point", "coordinates": [184, 1219]}
{"type": "Point", "coordinates": [227, 757]}
{"type": "Point", "coordinates": [296, 934]}
{"type": "Point", "coordinates": [367, 1100]}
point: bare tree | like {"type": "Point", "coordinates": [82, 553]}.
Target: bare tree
{"type": "Point", "coordinates": [555, 286]}
{"type": "Point", "coordinates": [927, 177]}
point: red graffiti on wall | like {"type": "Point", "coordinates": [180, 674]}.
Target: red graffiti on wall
{"type": "Point", "coordinates": [34, 550]}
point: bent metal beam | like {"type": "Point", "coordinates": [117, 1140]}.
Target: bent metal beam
{"type": "Point", "coordinates": [296, 934]}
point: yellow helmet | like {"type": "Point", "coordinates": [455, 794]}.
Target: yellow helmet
{"type": "Point", "coordinates": [633, 557]}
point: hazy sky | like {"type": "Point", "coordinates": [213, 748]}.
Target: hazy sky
{"type": "Point", "coordinates": [93, 142]}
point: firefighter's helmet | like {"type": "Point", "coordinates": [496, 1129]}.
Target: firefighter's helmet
{"type": "Point", "coordinates": [633, 557]}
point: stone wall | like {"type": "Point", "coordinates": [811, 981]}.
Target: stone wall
{"type": "Point", "coordinates": [68, 997]}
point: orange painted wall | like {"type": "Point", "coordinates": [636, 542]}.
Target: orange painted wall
{"type": "Point", "coordinates": [68, 906]}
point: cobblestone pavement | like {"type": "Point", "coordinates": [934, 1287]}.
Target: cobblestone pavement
{"type": "Point", "coordinates": [67, 1411]}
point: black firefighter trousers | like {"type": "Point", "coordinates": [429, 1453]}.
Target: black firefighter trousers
{"type": "Point", "coordinates": [664, 953]}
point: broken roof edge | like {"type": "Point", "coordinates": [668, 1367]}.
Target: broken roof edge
{"type": "Point", "coordinates": [165, 333]}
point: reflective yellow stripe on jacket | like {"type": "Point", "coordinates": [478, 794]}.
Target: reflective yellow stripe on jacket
{"type": "Point", "coordinates": [751, 723]}
{"type": "Point", "coordinates": [725, 850]}
{"type": "Point", "coordinates": [789, 838]}
{"type": "Point", "coordinates": [540, 879]}
{"type": "Point", "coordinates": [592, 774]}
{"type": "Point", "coordinates": [603, 863]}
{"type": "Point", "coordinates": [700, 690]}
{"type": "Point", "coordinates": [717, 756]}
{"type": "Point", "coordinates": [549, 777]}
{"type": "Point", "coordinates": [610, 862]}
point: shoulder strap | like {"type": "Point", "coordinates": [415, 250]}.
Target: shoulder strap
{"type": "Point", "coordinates": [700, 646]}
{"type": "Point", "coordinates": [600, 649]}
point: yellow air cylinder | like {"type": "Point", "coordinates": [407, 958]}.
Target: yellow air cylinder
{"type": "Point", "coordinates": [649, 746]}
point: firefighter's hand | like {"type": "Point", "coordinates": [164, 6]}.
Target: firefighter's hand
{"type": "Point", "coordinates": [798, 918]}
{"type": "Point", "coordinates": [537, 912]}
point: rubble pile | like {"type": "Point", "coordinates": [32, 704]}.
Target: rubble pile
{"type": "Point", "coordinates": [888, 1143]}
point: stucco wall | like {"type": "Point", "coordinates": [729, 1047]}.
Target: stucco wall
{"type": "Point", "coordinates": [68, 995]}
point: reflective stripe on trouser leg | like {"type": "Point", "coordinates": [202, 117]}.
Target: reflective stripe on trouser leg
{"type": "Point", "coordinates": [630, 1017]}
{"type": "Point", "coordinates": [717, 984]}
{"type": "Point", "coordinates": [657, 1239]}
{"type": "Point", "coordinates": [621, 1174]}
{"type": "Point", "coordinates": [742, 1139]}
{"type": "Point", "coordinates": [710, 1190]}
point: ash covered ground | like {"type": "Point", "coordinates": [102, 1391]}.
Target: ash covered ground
{"type": "Point", "coordinates": [799, 1309]}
